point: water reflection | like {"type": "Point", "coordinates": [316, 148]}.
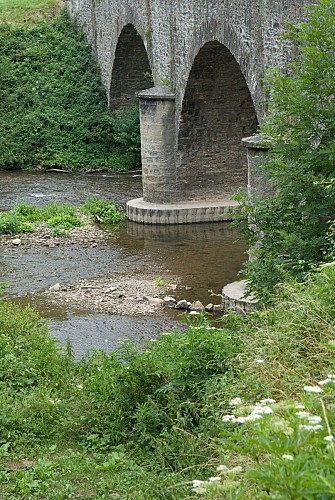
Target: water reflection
{"type": "Point", "coordinates": [206, 256]}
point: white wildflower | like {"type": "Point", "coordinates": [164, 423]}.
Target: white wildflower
{"type": "Point", "coordinates": [314, 419]}
{"type": "Point", "coordinates": [79, 386]}
{"type": "Point", "coordinates": [287, 457]}
{"type": "Point", "coordinates": [281, 425]}
{"type": "Point", "coordinates": [259, 361]}
{"type": "Point", "coordinates": [228, 418]}
{"type": "Point", "coordinates": [252, 417]}
{"type": "Point", "coordinates": [262, 410]}
{"type": "Point", "coordinates": [312, 388]}
{"type": "Point", "coordinates": [236, 401]}
{"type": "Point", "coordinates": [300, 407]}
{"type": "Point", "coordinates": [331, 375]}
{"type": "Point", "coordinates": [222, 468]}
{"type": "Point", "coordinates": [267, 400]}
{"type": "Point", "coordinates": [329, 438]}
{"type": "Point", "coordinates": [303, 414]}
{"type": "Point", "coordinates": [236, 470]}
{"type": "Point", "coordinates": [216, 478]}
{"type": "Point", "coordinates": [196, 483]}
{"type": "Point", "coordinates": [310, 427]}
{"type": "Point", "coordinates": [241, 420]}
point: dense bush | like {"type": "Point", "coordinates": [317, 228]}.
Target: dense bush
{"type": "Point", "coordinates": [157, 395]}
{"type": "Point", "coordinates": [52, 104]}
{"type": "Point", "coordinates": [294, 230]}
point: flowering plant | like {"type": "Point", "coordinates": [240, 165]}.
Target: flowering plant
{"type": "Point", "coordinates": [288, 448]}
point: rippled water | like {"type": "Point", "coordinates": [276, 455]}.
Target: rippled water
{"type": "Point", "coordinates": [203, 256]}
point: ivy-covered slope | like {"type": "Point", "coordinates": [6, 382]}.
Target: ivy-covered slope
{"type": "Point", "coordinates": [53, 108]}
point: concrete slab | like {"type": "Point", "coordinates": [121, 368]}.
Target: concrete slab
{"type": "Point", "coordinates": [233, 297]}
{"type": "Point", "coordinates": [188, 212]}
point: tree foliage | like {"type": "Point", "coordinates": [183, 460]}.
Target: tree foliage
{"type": "Point", "coordinates": [293, 231]}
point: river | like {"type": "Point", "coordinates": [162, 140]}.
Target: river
{"type": "Point", "coordinates": [203, 256]}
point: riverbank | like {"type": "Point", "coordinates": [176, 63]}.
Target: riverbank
{"type": "Point", "coordinates": [218, 411]}
{"type": "Point", "coordinates": [124, 293]}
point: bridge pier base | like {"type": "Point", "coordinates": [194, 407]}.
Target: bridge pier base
{"type": "Point", "coordinates": [258, 184]}
{"type": "Point", "coordinates": [187, 212]}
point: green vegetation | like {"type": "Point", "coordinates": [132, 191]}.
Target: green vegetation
{"type": "Point", "coordinates": [297, 223]}
{"type": "Point", "coordinates": [60, 217]}
{"type": "Point", "coordinates": [103, 211]}
{"type": "Point", "coordinates": [159, 281]}
{"type": "Point", "coordinates": [53, 107]}
{"type": "Point", "coordinates": [215, 412]}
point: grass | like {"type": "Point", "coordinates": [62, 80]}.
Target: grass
{"type": "Point", "coordinates": [175, 418]}
{"type": "Point", "coordinates": [159, 281]}
{"type": "Point", "coordinates": [24, 217]}
{"type": "Point", "coordinates": [27, 11]}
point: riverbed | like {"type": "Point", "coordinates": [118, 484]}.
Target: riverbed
{"type": "Point", "coordinates": [190, 259]}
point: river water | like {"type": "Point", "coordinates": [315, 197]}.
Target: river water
{"type": "Point", "coordinates": [203, 256]}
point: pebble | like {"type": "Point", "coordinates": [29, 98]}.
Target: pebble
{"type": "Point", "coordinates": [55, 288]}
{"type": "Point", "coordinates": [153, 301]}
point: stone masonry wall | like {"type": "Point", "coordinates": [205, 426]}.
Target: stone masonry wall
{"type": "Point", "coordinates": [131, 69]}
{"type": "Point", "coordinates": [173, 32]}
{"type": "Point", "coordinates": [217, 112]}
{"type": "Point", "coordinates": [213, 55]}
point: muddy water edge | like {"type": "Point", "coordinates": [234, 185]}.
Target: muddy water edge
{"type": "Point", "coordinates": [192, 258]}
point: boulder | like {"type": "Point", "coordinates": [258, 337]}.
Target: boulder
{"type": "Point", "coordinates": [170, 301]}
{"type": "Point", "coordinates": [153, 301]}
{"type": "Point", "coordinates": [182, 304]}
{"type": "Point", "coordinates": [197, 306]}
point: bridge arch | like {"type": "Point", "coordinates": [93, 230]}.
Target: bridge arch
{"type": "Point", "coordinates": [217, 112]}
{"type": "Point", "coordinates": [131, 69]}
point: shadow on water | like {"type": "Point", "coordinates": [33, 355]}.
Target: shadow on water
{"type": "Point", "coordinates": [203, 256]}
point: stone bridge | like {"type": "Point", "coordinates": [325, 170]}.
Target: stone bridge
{"type": "Point", "coordinates": [197, 67]}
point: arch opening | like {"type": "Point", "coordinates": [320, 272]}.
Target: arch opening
{"type": "Point", "coordinates": [130, 69]}
{"type": "Point", "coordinates": [217, 112]}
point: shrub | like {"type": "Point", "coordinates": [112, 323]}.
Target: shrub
{"type": "Point", "coordinates": [103, 211]}
{"type": "Point", "coordinates": [155, 394]}
{"type": "Point", "coordinates": [59, 216]}
{"type": "Point", "coordinates": [293, 230]}
{"type": "Point", "coordinates": [10, 223]}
